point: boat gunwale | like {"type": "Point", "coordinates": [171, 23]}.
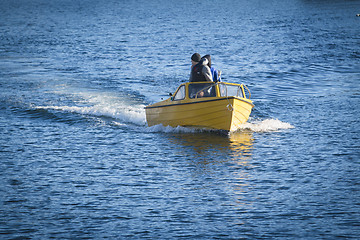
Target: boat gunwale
{"type": "Point", "coordinates": [210, 100]}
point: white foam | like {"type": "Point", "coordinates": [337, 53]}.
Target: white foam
{"type": "Point", "coordinates": [168, 129]}
{"type": "Point", "coordinates": [104, 104]}
{"type": "Point", "coordinates": [267, 125]}
{"type": "Point", "coordinates": [129, 114]}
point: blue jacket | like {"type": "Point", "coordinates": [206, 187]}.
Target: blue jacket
{"type": "Point", "coordinates": [215, 75]}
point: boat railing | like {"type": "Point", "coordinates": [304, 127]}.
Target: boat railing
{"type": "Point", "coordinates": [247, 89]}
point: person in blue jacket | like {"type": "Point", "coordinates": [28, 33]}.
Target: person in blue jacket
{"type": "Point", "coordinates": [216, 74]}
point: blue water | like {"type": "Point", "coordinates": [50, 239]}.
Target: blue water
{"type": "Point", "coordinates": [77, 160]}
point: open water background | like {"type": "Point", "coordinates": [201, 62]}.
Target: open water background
{"type": "Point", "coordinates": [77, 160]}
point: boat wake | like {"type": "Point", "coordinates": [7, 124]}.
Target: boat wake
{"type": "Point", "coordinates": [127, 114]}
{"type": "Point", "coordinates": [103, 104]}
{"type": "Point", "coordinates": [124, 111]}
{"type": "Point", "coordinates": [135, 114]}
{"type": "Point", "coordinates": [178, 129]}
{"type": "Point", "coordinates": [267, 125]}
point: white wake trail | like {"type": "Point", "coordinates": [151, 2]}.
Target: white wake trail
{"type": "Point", "coordinates": [103, 104]}
{"type": "Point", "coordinates": [267, 125]}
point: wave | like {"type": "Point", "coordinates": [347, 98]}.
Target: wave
{"type": "Point", "coordinates": [104, 104]}
{"type": "Point", "coordinates": [178, 129]}
{"type": "Point", "coordinates": [267, 125]}
{"type": "Point", "coordinates": [127, 114]}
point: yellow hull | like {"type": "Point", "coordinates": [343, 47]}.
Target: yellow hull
{"type": "Point", "coordinates": [223, 113]}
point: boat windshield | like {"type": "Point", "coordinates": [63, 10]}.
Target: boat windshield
{"type": "Point", "coordinates": [180, 94]}
{"type": "Point", "coordinates": [199, 90]}
{"type": "Point", "coordinates": [227, 90]}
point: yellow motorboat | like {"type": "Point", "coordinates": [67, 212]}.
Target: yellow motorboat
{"type": "Point", "coordinates": [220, 106]}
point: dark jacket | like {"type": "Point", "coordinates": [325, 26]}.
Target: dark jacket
{"type": "Point", "coordinates": [200, 72]}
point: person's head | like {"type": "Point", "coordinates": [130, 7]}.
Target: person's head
{"type": "Point", "coordinates": [195, 58]}
{"type": "Point", "coordinates": [207, 56]}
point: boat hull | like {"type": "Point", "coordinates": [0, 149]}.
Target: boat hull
{"type": "Point", "coordinates": [224, 113]}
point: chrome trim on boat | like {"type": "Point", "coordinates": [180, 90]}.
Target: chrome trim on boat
{"type": "Point", "coordinates": [211, 100]}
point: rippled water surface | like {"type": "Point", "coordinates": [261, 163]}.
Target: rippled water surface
{"type": "Point", "coordinates": [77, 160]}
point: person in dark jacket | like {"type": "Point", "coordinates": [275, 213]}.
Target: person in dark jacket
{"type": "Point", "coordinates": [200, 71]}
